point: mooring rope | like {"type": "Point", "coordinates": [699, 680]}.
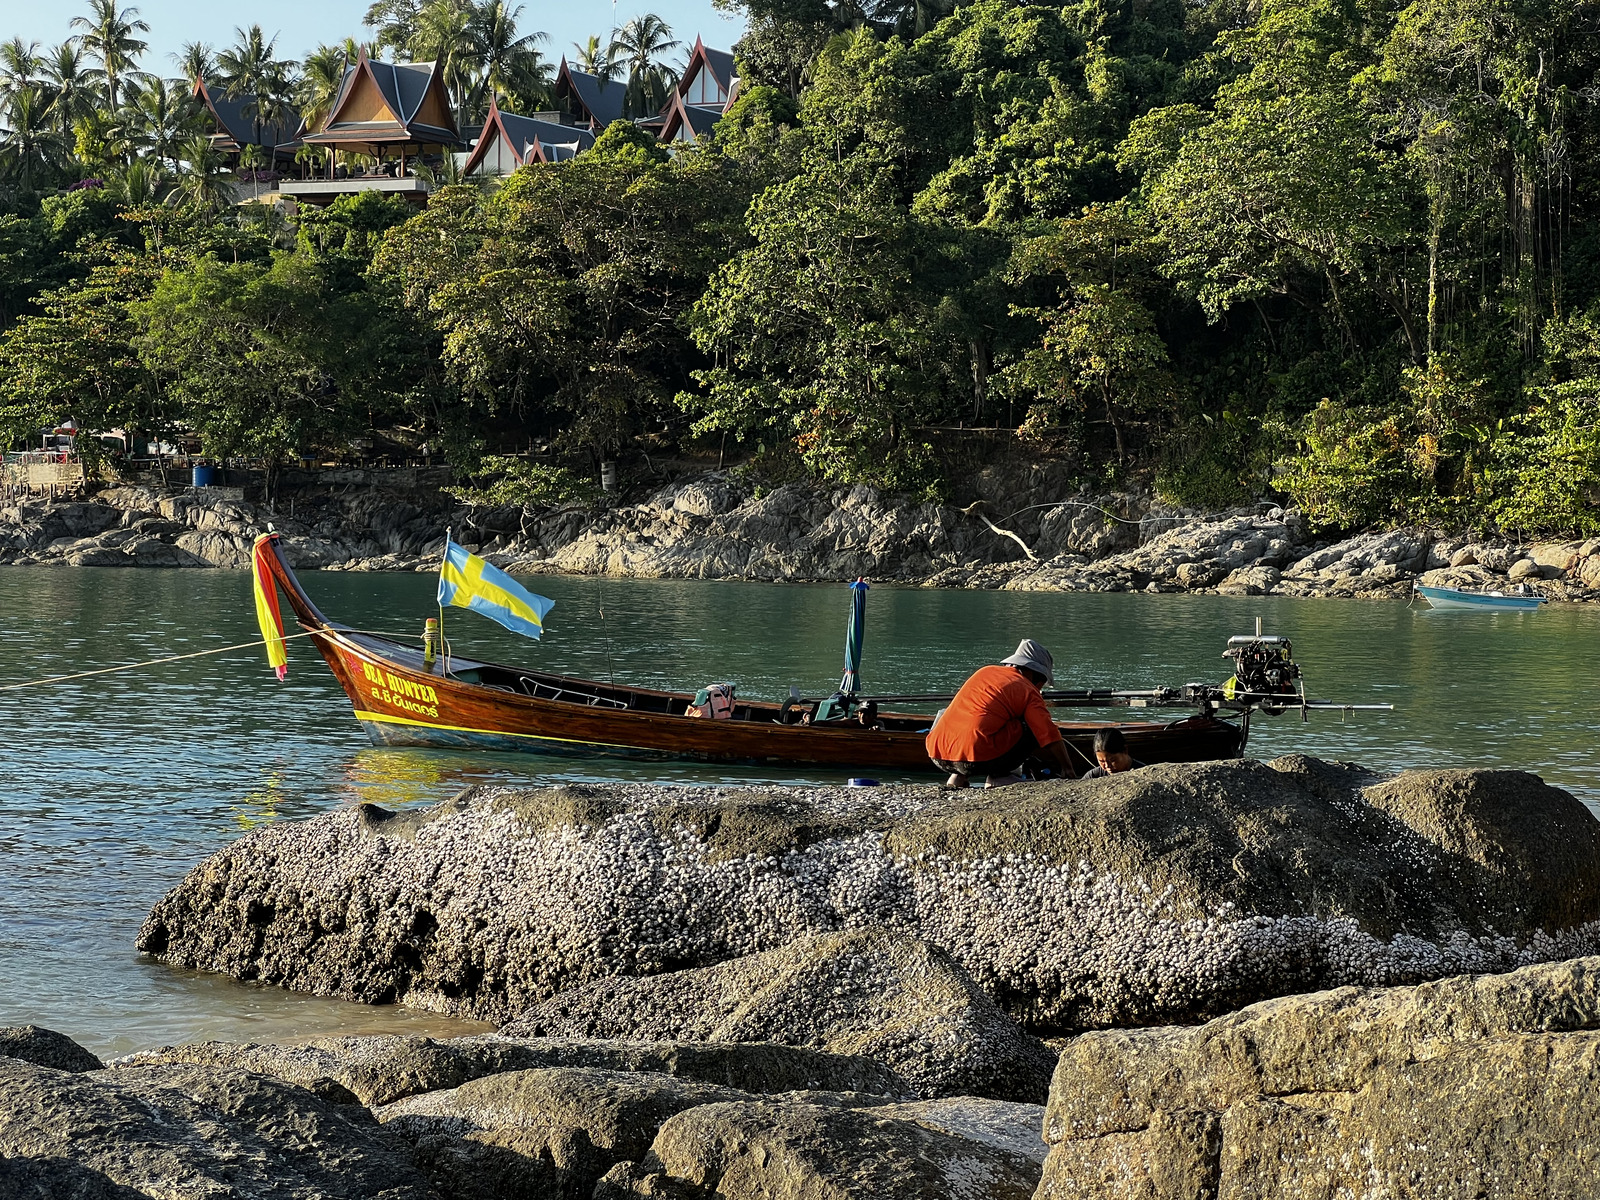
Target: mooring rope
{"type": "Point", "coordinates": [158, 662]}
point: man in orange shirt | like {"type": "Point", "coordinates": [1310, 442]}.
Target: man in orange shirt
{"type": "Point", "coordinates": [998, 721]}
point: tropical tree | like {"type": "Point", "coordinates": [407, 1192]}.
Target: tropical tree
{"type": "Point", "coordinates": [507, 64]}
{"type": "Point", "coordinates": [594, 59]}
{"type": "Point", "coordinates": [32, 153]}
{"type": "Point", "coordinates": [638, 48]}
{"type": "Point", "coordinates": [195, 61]}
{"type": "Point", "coordinates": [74, 94]}
{"type": "Point", "coordinates": [139, 183]}
{"type": "Point", "coordinates": [159, 118]}
{"type": "Point", "coordinates": [394, 23]}
{"type": "Point", "coordinates": [250, 71]}
{"type": "Point", "coordinates": [20, 66]}
{"type": "Point", "coordinates": [321, 75]}
{"type": "Point", "coordinates": [444, 35]}
{"type": "Point", "coordinates": [203, 183]}
{"type": "Point", "coordinates": [110, 37]}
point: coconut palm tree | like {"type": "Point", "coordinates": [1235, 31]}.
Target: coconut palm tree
{"type": "Point", "coordinates": [109, 37]}
{"type": "Point", "coordinates": [203, 182]}
{"type": "Point", "coordinates": [592, 59]}
{"type": "Point", "coordinates": [195, 61]}
{"type": "Point", "coordinates": [444, 35]}
{"type": "Point", "coordinates": [138, 183]}
{"type": "Point", "coordinates": [248, 70]}
{"type": "Point", "coordinates": [638, 48]}
{"type": "Point", "coordinates": [20, 66]}
{"type": "Point", "coordinates": [74, 92]}
{"type": "Point", "coordinates": [321, 76]}
{"type": "Point", "coordinates": [159, 117]}
{"type": "Point", "coordinates": [32, 153]}
{"type": "Point", "coordinates": [506, 64]}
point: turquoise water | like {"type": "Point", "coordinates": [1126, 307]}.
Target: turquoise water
{"type": "Point", "coordinates": [113, 787]}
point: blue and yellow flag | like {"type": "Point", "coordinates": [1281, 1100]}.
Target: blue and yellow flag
{"type": "Point", "coordinates": [467, 581]}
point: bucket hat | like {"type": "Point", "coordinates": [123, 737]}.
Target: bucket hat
{"type": "Point", "coordinates": [1035, 657]}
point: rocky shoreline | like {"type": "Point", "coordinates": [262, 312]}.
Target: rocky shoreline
{"type": "Point", "coordinates": [1237, 979]}
{"type": "Point", "coordinates": [720, 527]}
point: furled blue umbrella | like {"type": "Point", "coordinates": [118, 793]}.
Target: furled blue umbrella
{"type": "Point", "coordinates": [851, 683]}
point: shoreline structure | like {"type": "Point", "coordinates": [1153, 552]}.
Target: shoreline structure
{"type": "Point", "coordinates": [718, 526]}
{"type": "Point", "coordinates": [1085, 990]}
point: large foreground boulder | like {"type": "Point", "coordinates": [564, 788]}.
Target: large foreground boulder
{"type": "Point", "coordinates": [541, 1135]}
{"type": "Point", "coordinates": [381, 1069]}
{"type": "Point", "coordinates": [1470, 1086]}
{"type": "Point", "coordinates": [869, 992]}
{"type": "Point", "coordinates": [189, 1131]}
{"type": "Point", "coordinates": [1164, 895]}
{"type": "Point", "coordinates": [766, 1150]}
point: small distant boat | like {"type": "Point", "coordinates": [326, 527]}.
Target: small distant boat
{"type": "Point", "coordinates": [1449, 597]}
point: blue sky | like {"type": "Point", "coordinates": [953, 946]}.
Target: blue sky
{"type": "Point", "coordinates": [301, 24]}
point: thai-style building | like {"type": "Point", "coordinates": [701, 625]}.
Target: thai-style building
{"type": "Point", "coordinates": [396, 117]}
{"type": "Point", "coordinates": [399, 114]}
{"type": "Point", "coordinates": [591, 100]}
{"type": "Point", "coordinates": [237, 126]}
{"type": "Point", "coordinates": [706, 90]}
{"type": "Point", "coordinates": [507, 141]}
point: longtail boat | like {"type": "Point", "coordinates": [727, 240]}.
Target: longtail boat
{"type": "Point", "coordinates": [402, 698]}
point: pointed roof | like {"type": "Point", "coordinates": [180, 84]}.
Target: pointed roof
{"type": "Point", "coordinates": [703, 57]}
{"type": "Point", "coordinates": [236, 129]}
{"type": "Point", "coordinates": [594, 100]}
{"type": "Point", "coordinates": [527, 138]}
{"type": "Point", "coordinates": [383, 103]}
{"type": "Point", "coordinates": [685, 122]}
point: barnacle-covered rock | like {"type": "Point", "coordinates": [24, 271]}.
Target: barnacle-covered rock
{"type": "Point", "coordinates": [1469, 1086]}
{"type": "Point", "coordinates": [868, 992]}
{"type": "Point", "coordinates": [1167, 894]}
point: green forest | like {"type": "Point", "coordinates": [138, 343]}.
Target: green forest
{"type": "Point", "coordinates": [1342, 252]}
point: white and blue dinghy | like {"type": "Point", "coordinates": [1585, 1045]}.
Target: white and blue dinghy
{"type": "Point", "coordinates": [1482, 601]}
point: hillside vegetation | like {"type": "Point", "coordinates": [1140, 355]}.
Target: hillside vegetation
{"type": "Point", "coordinates": [1339, 251]}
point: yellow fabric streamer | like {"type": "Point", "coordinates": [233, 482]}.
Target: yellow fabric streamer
{"type": "Point", "coordinates": [267, 614]}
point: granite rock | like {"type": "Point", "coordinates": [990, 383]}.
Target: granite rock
{"type": "Point", "coordinates": [1173, 893]}
{"type": "Point", "coordinates": [868, 992]}
{"type": "Point", "coordinates": [382, 1069]}
{"type": "Point", "coordinates": [189, 1131]}
{"type": "Point", "coordinates": [1469, 1086]}
{"type": "Point", "coordinates": [542, 1134]}
{"type": "Point", "coordinates": [766, 1150]}
{"type": "Point", "coordinates": [46, 1048]}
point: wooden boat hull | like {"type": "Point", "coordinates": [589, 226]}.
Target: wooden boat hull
{"type": "Point", "coordinates": [1447, 597]}
{"type": "Point", "coordinates": [402, 701]}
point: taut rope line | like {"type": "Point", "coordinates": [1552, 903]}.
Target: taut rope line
{"type": "Point", "coordinates": [157, 662]}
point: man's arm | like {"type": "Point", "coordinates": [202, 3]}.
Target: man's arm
{"type": "Point", "coordinates": [1056, 755]}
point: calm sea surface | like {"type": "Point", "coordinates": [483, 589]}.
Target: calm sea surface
{"type": "Point", "coordinates": [112, 788]}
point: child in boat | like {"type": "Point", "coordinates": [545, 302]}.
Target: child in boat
{"type": "Point", "coordinates": [998, 721]}
{"type": "Point", "coordinates": [1111, 751]}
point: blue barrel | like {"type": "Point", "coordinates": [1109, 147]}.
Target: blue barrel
{"type": "Point", "coordinates": [207, 476]}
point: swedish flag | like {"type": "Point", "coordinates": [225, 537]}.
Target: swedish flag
{"type": "Point", "coordinates": [467, 581]}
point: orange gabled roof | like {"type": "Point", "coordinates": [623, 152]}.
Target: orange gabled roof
{"type": "Point", "coordinates": [390, 102]}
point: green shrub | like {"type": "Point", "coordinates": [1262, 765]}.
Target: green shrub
{"type": "Point", "coordinates": [504, 480]}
